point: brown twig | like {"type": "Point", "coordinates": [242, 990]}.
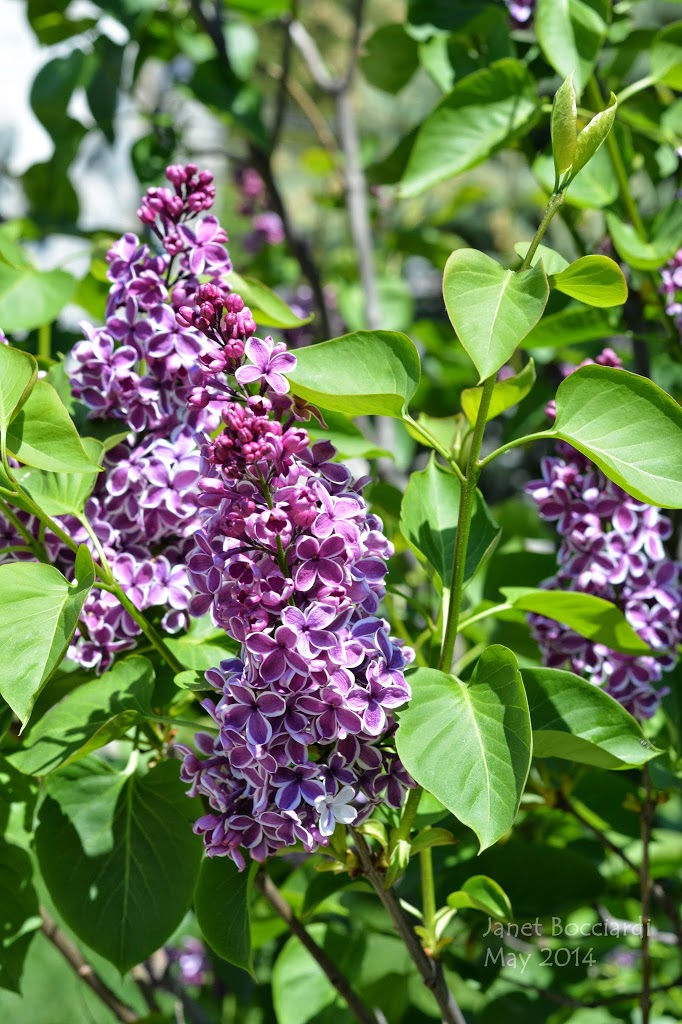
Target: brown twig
{"type": "Point", "coordinates": [85, 971]}
{"type": "Point", "coordinates": [430, 970]}
{"type": "Point", "coordinates": [272, 894]}
{"type": "Point", "coordinates": [261, 159]}
{"type": "Point", "coordinates": [663, 899]}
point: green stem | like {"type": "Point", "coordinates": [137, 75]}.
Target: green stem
{"type": "Point", "coordinates": [485, 614]}
{"type": "Point", "coordinates": [13, 548]}
{"type": "Point", "coordinates": [555, 201]}
{"type": "Point", "coordinates": [197, 726]}
{"type": "Point", "coordinates": [466, 504]}
{"type": "Point", "coordinates": [428, 898]}
{"type": "Point", "coordinates": [45, 342]}
{"type": "Point", "coordinates": [436, 445]}
{"type": "Point", "coordinates": [407, 818]}
{"type": "Point", "coordinates": [528, 439]}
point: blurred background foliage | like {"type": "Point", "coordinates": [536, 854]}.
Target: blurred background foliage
{"type": "Point", "coordinates": [333, 111]}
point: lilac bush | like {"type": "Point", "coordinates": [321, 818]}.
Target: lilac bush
{"type": "Point", "coordinates": [671, 288]}
{"type": "Point", "coordinates": [612, 547]}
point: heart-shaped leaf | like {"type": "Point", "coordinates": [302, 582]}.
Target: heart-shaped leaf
{"type": "Point", "coordinates": [628, 426]}
{"type": "Point", "coordinates": [361, 374]}
{"type": "Point", "coordinates": [594, 280]}
{"type": "Point", "coordinates": [570, 34]}
{"type": "Point", "coordinates": [469, 744]}
{"type": "Point", "coordinates": [492, 309]}
{"type": "Point", "coordinates": [647, 255]}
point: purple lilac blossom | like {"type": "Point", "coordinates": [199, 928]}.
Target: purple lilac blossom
{"type": "Point", "coordinates": [671, 288]}
{"type": "Point", "coordinates": [612, 547]}
{"type": "Point", "coordinates": [520, 12]}
{"type": "Point", "coordinates": [135, 369]}
{"type": "Point", "coordinates": [289, 562]}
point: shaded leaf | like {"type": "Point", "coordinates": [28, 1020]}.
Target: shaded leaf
{"type": "Point", "coordinates": [506, 394]}
{"type": "Point", "coordinates": [221, 903]}
{"type": "Point", "coordinates": [428, 521]}
{"type": "Point", "coordinates": [89, 717]}
{"type": "Point", "coordinates": [126, 903]}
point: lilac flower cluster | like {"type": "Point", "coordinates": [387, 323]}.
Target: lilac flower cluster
{"type": "Point", "coordinates": [267, 227]}
{"type": "Point", "coordinates": [612, 547]}
{"type": "Point", "coordinates": [290, 562]}
{"type": "Point", "coordinates": [521, 12]}
{"type": "Point", "coordinates": [671, 288]}
{"type": "Point", "coordinates": [136, 369]}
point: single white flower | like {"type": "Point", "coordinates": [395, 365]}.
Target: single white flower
{"type": "Point", "coordinates": [335, 808]}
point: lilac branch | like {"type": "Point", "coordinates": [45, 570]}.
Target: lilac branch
{"type": "Point", "coordinates": [272, 894]}
{"type": "Point", "coordinates": [85, 971]}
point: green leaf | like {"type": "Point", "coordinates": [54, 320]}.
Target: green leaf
{"type": "Point", "coordinates": [390, 58]}
{"type": "Point", "coordinates": [18, 373]}
{"type": "Point", "coordinates": [491, 309]}
{"type": "Point", "coordinates": [594, 280]}
{"type": "Point", "coordinates": [552, 261]}
{"type": "Point", "coordinates": [360, 374]}
{"type": "Point", "coordinates": [482, 893]}
{"type": "Point", "coordinates": [269, 309]}
{"type": "Point", "coordinates": [346, 436]}
{"type": "Point", "coordinates": [570, 34]}
{"type": "Point", "coordinates": [647, 255]}
{"type": "Point", "coordinates": [42, 435]}
{"type": "Point", "coordinates": [628, 426]}
{"type": "Point", "coordinates": [563, 126]}
{"type": "Point", "coordinates": [428, 521]}
{"type": "Point", "coordinates": [576, 720]}
{"type": "Point", "coordinates": [19, 916]}
{"type": "Point", "coordinates": [665, 56]}
{"type": "Point", "coordinates": [569, 327]}
{"type": "Point", "coordinates": [60, 494]}
{"type": "Point", "coordinates": [221, 903]}
{"type": "Point", "coordinates": [484, 111]}
{"type": "Point", "coordinates": [126, 903]}
{"type": "Point", "coordinates": [31, 297]}
{"type": "Point", "coordinates": [506, 394]}
{"type": "Point", "coordinates": [594, 134]}
{"type": "Point", "coordinates": [39, 612]}
{"type": "Point", "coordinates": [588, 615]}
{"type": "Point", "coordinates": [203, 646]}
{"type": "Point", "coordinates": [469, 744]}
{"type": "Point", "coordinates": [89, 717]}
{"type": "Point", "coordinates": [87, 791]}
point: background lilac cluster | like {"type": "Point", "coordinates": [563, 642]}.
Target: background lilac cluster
{"type": "Point", "coordinates": [671, 287]}
{"type": "Point", "coordinates": [135, 370]}
{"type": "Point", "coordinates": [611, 546]}
{"type": "Point", "coordinates": [290, 562]}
